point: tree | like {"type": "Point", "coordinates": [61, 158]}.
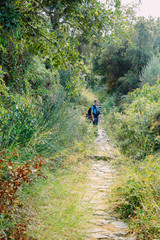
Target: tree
{"type": "Point", "coordinates": [118, 64]}
{"type": "Point", "coordinates": [51, 29]}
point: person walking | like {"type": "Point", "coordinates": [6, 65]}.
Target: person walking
{"type": "Point", "coordinates": [95, 113]}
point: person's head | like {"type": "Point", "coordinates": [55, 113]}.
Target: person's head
{"type": "Point", "coordinates": [95, 102]}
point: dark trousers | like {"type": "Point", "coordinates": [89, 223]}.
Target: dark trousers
{"type": "Point", "coordinates": [95, 120]}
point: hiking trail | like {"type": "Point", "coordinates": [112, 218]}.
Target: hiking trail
{"type": "Point", "coordinates": [103, 224]}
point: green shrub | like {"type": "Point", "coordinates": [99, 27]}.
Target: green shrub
{"type": "Point", "coordinates": [34, 114]}
{"type": "Point", "coordinates": [102, 92]}
{"type": "Point", "coordinates": [151, 72]}
{"type": "Point", "coordinates": [40, 80]}
{"type": "Point", "coordinates": [19, 121]}
{"type": "Point", "coordinates": [126, 84]}
{"type": "Point", "coordinates": [137, 196]}
{"type": "Point", "coordinates": [138, 126]}
{"type": "Point", "coordinates": [61, 130]}
{"type": "Point", "coordinates": [108, 104]}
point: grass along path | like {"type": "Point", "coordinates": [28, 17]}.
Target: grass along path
{"type": "Point", "coordinates": [73, 203]}
{"type": "Point", "coordinates": [55, 205]}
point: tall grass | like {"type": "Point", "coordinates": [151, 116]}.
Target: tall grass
{"type": "Point", "coordinates": [136, 196]}
{"type": "Point", "coordinates": [56, 207]}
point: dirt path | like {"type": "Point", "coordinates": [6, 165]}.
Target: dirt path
{"type": "Point", "coordinates": [103, 225]}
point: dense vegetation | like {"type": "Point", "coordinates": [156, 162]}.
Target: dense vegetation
{"type": "Point", "coordinates": [42, 76]}
{"type": "Point", "coordinates": [130, 61]}
{"type": "Point", "coordinates": [126, 74]}
{"type": "Point", "coordinates": [137, 131]}
{"type": "Point", "coordinates": [50, 52]}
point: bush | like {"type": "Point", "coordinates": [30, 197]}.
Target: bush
{"type": "Point", "coordinates": [126, 84]}
{"type": "Point", "coordinates": [108, 104]}
{"type": "Point", "coordinates": [137, 196]}
{"type": "Point", "coordinates": [34, 114]}
{"type": "Point", "coordinates": [19, 120]}
{"type": "Point", "coordinates": [151, 72]}
{"type": "Point", "coordinates": [61, 130]}
{"type": "Point", "coordinates": [39, 80]}
{"type": "Point", "coordinates": [138, 127]}
{"type": "Point", "coordinates": [13, 176]}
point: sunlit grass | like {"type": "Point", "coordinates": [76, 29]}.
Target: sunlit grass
{"type": "Point", "coordinates": [136, 196]}
{"type": "Point", "coordinates": [56, 205]}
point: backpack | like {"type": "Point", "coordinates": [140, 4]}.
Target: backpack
{"type": "Point", "coordinates": [88, 115]}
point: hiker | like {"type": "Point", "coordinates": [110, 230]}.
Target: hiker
{"type": "Point", "coordinates": [95, 112]}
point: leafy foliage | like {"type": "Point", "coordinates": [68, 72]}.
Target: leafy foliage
{"type": "Point", "coordinates": [150, 73]}
{"type": "Point", "coordinates": [13, 175]}
{"type": "Point", "coordinates": [18, 122]}
{"type": "Point", "coordinates": [119, 64]}
{"type": "Point", "coordinates": [50, 30]}
{"type": "Point", "coordinates": [137, 127]}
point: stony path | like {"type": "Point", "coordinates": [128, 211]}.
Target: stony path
{"type": "Point", "coordinates": [103, 225]}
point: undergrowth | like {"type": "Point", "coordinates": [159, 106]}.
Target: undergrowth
{"type": "Point", "coordinates": [36, 126]}
{"type": "Point", "coordinates": [136, 196]}
{"type": "Point", "coordinates": [55, 206]}
{"type": "Point", "coordinates": [134, 127]}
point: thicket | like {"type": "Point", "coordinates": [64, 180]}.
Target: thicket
{"type": "Point", "coordinates": [32, 127]}
{"type": "Point", "coordinates": [41, 74]}
{"type": "Point", "coordinates": [151, 72]}
{"type": "Point", "coordinates": [118, 66]}
{"type": "Point", "coordinates": [136, 196]}
{"type": "Point", "coordinates": [135, 128]}
{"type": "Point", "coordinates": [134, 125]}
